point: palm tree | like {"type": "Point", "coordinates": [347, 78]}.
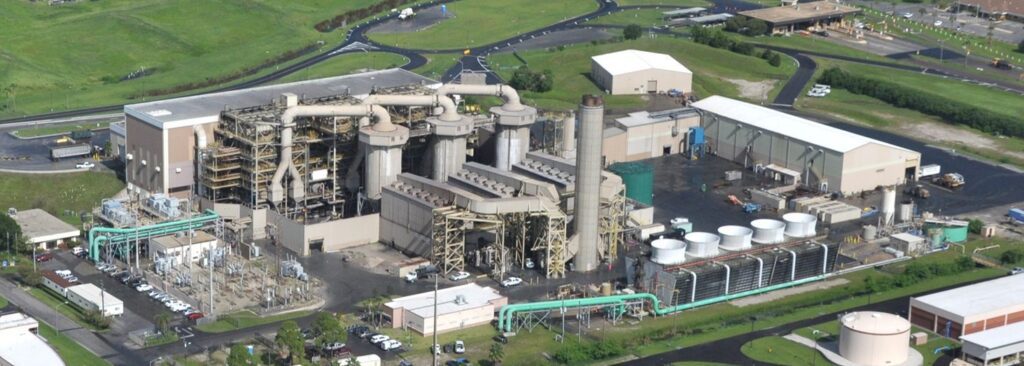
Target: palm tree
{"type": "Point", "coordinates": [162, 322]}
{"type": "Point", "coordinates": [496, 354]}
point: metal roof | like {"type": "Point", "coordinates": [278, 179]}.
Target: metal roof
{"type": "Point", "coordinates": [627, 61]}
{"type": "Point", "coordinates": [449, 300]}
{"type": "Point", "coordinates": [40, 226]}
{"type": "Point", "coordinates": [997, 337]}
{"type": "Point", "coordinates": [205, 108]}
{"type": "Point", "coordinates": [642, 118]}
{"type": "Point", "coordinates": [874, 322]}
{"type": "Point", "coordinates": [174, 241]}
{"type": "Point", "coordinates": [801, 12]}
{"type": "Point", "coordinates": [704, 19]}
{"type": "Point", "coordinates": [22, 347]}
{"type": "Point", "coordinates": [95, 295]}
{"type": "Point", "coordinates": [979, 298]}
{"type": "Point", "coordinates": [686, 11]}
{"type": "Point", "coordinates": [907, 237]}
{"type": "Point", "coordinates": [786, 124]}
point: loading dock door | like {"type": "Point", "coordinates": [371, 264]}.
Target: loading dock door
{"type": "Point", "coordinates": [652, 86]}
{"type": "Point", "coordinates": [317, 245]}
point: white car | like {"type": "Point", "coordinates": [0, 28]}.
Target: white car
{"type": "Point", "coordinates": [511, 281]}
{"type": "Point", "coordinates": [458, 276]}
{"type": "Point", "coordinates": [1016, 271]}
{"type": "Point", "coordinates": [460, 347]}
{"type": "Point", "coordinates": [143, 287]}
{"type": "Point", "coordinates": [85, 165]}
{"type": "Point", "coordinates": [379, 338]}
{"type": "Point", "coordinates": [938, 23]}
{"type": "Point", "coordinates": [908, 15]}
{"type": "Point", "coordinates": [390, 345]}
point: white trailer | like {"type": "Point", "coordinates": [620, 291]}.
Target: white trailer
{"type": "Point", "coordinates": [930, 170]}
{"type": "Point", "coordinates": [406, 14]}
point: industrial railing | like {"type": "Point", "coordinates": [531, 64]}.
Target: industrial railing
{"type": "Point", "coordinates": [507, 312]}
{"type": "Point", "coordinates": [100, 235]}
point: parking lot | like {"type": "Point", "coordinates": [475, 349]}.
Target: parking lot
{"type": "Point", "coordinates": [34, 154]}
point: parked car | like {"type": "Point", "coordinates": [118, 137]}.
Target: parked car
{"type": "Point", "coordinates": [458, 276]}
{"type": "Point", "coordinates": [1017, 270]}
{"type": "Point", "coordinates": [143, 287]}
{"type": "Point", "coordinates": [78, 251]}
{"type": "Point", "coordinates": [194, 316]}
{"type": "Point", "coordinates": [44, 257]}
{"type": "Point", "coordinates": [377, 338]}
{"type": "Point", "coordinates": [938, 23]}
{"type": "Point", "coordinates": [529, 263]}
{"type": "Point", "coordinates": [511, 281]}
{"type": "Point", "coordinates": [390, 344]}
{"type": "Point", "coordinates": [330, 347]}
{"type": "Point", "coordinates": [457, 362]}
{"type": "Point", "coordinates": [908, 15]}
{"type": "Point", "coordinates": [85, 165]}
{"type": "Point", "coordinates": [357, 329]}
{"type": "Point", "coordinates": [460, 347]}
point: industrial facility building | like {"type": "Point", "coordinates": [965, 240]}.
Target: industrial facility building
{"type": "Point", "coordinates": [995, 9]}
{"type": "Point", "coordinates": [1000, 346]}
{"type": "Point", "coordinates": [117, 141]}
{"type": "Point", "coordinates": [21, 345]}
{"type": "Point", "coordinates": [826, 158]}
{"type": "Point", "coordinates": [54, 282]}
{"type": "Point", "coordinates": [182, 249]}
{"type": "Point", "coordinates": [457, 307]}
{"type": "Point", "coordinates": [44, 230]}
{"type": "Point", "coordinates": [644, 135]}
{"type": "Point", "coordinates": [871, 338]}
{"type": "Point", "coordinates": [89, 297]}
{"type": "Point", "coordinates": [815, 15]}
{"type": "Point", "coordinates": [640, 72]}
{"type": "Point", "coordinates": [971, 309]}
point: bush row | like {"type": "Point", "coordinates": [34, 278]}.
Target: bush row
{"type": "Point", "coordinates": [948, 109]}
{"type": "Point", "coordinates": [717, 39]}
{"type": "Point", "coordinates": [358, 14]}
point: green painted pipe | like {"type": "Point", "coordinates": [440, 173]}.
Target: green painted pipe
{"type": "Point", "coordinates": [98, 235]}
{"type": "Point", "coordinates": [506, 314]}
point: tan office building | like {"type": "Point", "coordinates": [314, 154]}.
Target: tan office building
{"type": "Point", "coordinates": [644, 135]}
{"type": "Point", "coordinates": [639, 72]}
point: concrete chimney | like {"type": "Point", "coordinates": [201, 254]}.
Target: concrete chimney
{"type": "Point", "coordinates": [569, 135]}
{"type": "Point", "coordinates": [588, 182]}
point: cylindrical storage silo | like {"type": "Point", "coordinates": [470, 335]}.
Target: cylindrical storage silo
{"type": "Point", "coordinates": [873, 338]}
{"type": "Point", "coordinates": [906, 211]}
{"type": "Point", "coordinates": [800, 225]}
{"type": "Point", "coordinates": [639, 180]}
{"type": "Point", "coordinates": [870, 232]}
{"type": "Point", "coordinates": [701, 244]}
{"type": "Point", "coordinates": [888, 209]}
{"type": "Point", "coordinates": [768, 231]}
{"type": "Point", "coordinates": [935, 238]}
{"type": "Point", "coordinates": [668, 251]}
{"type": "Point", "coordinates": [735, 237]}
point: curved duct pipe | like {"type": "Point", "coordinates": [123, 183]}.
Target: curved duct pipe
{"type": "Point", "coordinates": [200, 136]}
{"type": "Point", "coordinates": [448, 113]}
{"type": "Point", "coordinates": [509, 94]}
{"type": "Point", "coordinates": [288, 121]}
{"type": "Point", "coordinates": [200, 145]}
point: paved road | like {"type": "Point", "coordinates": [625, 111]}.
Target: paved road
{"type": "Point", "coordinates": [795, 85]}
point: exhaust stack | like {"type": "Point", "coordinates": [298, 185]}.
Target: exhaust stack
{"type": "Point", "coordinates": [588, 182]}
{"type": "Point", "coordinates": [514, 120]}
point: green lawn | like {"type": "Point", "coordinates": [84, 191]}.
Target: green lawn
{"type": "Point", "coordinates": [642, 17]}
{"type": "Point", "coordinates": [814, 44]}
{"type": "Point", "coordinates": [161, 339]}
{"type": "Point", "coordinates": [57, 129]}
{"type": "Point", "coordinates": [711, 67]}
{"type": "Point", "coordinates": [3, 302]}
{"type": "Point", "coordinates": [437, 64]}
{"type": "Point", "coordinates": [71, 352]}
{"type": "Point", "coordinates": [348, 64]}
{"type": "Point", "coordinates": [692, 3]}
{"type": "Point", "coordinates": [79, 192]}
{"type": "Point", "coordinates": [934, 342]}
{"type": "Point", "coordinates": [69, 310]}
{"type": "Point", "coordinates": [246, 319]}
{"type": "Point", "coordinates": [500, 19]}
{"type": "Point", "coordinates": [781, 351]}
{"type": "Point", "coordinates": [75, 56]}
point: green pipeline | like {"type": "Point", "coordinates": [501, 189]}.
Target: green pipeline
{"type": "Point", "coordinates": [506, 314]}
{"type": "Point", "coordinates": [100, 235]}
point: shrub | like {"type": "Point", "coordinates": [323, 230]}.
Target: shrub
{"type": "Point", "coordinates": [632, 31]}
{"type": "Point", "coordinates": [776, 60]}
{"type": "Point", "coordinates": [1012, 256]}
{"type": "Point", "coordinates": [975, 226]}
{"type": "Point", "coordinates": [525, 79]}
{"type": "Point", "coordinates": [96, 319]}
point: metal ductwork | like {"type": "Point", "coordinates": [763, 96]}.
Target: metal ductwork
{"type": "Point", "coordinates": [448, 113]}
{"type": "Point", "coordinates": [588, 182]}
{"type": "Point", "coordinates": [513, 121]}
{"type": "Point", "coordinates": [509, 94]}
{"type": "Point", "coordinates": [450, 129]}
{"type": "Point", "coordinates": [288, 121]}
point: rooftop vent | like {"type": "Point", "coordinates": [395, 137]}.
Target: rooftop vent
{"type": "Point", "coordinates": [159, 113]}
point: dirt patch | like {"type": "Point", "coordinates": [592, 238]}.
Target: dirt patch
{"type": "Point", "coordinates": [776, 295]}
{"type": "Point", "coordinates": [930, 131]}
{"type": "Point", "coordinates": [753, 90]}
{"type": "Point", "coordinates": [424, 19]}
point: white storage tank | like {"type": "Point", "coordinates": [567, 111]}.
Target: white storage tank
{"type": "Point", "coordinates": [735, 237]}
{"type": "Point", "coordinates": [873, 338]}
{"type": "Point", "coordinates": [768, 231]}
{"type": "Point", "coordinates": [906, 211]}
{"type": "Point", "coordinates": [800, 225]}
{"type": "Point", "coordinates": [888, 210]}
{"type": "Point", "coordinates": [668, 251]}
{"type": "Point", "coordinates": [701, 244]}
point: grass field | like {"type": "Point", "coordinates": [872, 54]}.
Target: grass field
{"type": "Point", "coordinates": [348, 64]}
{"type": "Point", "coordinates": [501, 19]}
{"type": "Point", "coordinates": [69, 310]}
{"type": "Point", "coordinates": [71, 352]}
{"type": "Point", "coordinates": [246, 319]}
{"type": "Point", "coordinates": [781, 351]}
{"type": "Point", "coordinates": [814, 44]}
{"type": "Point", "coordinates": [3, 302]}
{"type": "Point", "coordinates": [663, 2]}
{"type": "Point", "coordinates": [44, 130]}
{"type": "Point", "coordinates": [437, 64]}
{"type": "Point", "coordinates": [79, 192]}
{"type": "Point", "coordinates": [71, 56]}
{"type": "Point", "coordinates": [711, 68]}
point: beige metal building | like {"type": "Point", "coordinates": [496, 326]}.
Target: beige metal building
{"type": "Point", "coordinates": [1001, 346]}
{"type": "Point", "coordinates": [182, 249]}
{"type": "Point", "coordinates": [971, 309]}
{"type": "Point", "coordinates": [644, 135]}
{"type": "Point", "coordinates": [458, 307]}
{"type": "Point", "coordinates": [639, 72]}
{"type": "Point", "coordinates": [44, 230]}
{"type": "Point", "coordinates": [798, 16]}
{"type": "Point", "coordinates": [828, 159]}
{"type": "Point", "coordinates": [871, 338]}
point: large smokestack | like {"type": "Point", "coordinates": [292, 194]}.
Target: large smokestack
{"type": "Point", "coordinates": [569, 135]}
{"type": "Point", "coordinates": [588, 181]}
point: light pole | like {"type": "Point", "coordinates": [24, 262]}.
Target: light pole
{"type": "Point", "coordinates": [56, 318]}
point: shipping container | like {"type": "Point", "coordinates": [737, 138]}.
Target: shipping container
{"type": "Point", "coordinates": [930, 169]}
{"type": "Point", "coordinates": [61, 152]}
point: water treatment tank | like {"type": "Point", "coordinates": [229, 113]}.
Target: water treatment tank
{"type": "Point", "coordinates": [873, 338]}
{"type": "Point", "coordinates": [799, 225]}
{"type": "Point", "coordinates": [906, 211]}
{"type": "Point", "coordinates": [701, 244]}
{"type": "Point", "coordinates": [768, 231]}
{"type": "Point", "coordinates": [735, 237]}
{"type": "Point", "coordinates": [870, 232]}
{"type": "Point", "coordinates": [639, 180]}
{"type": "Point", "coordinates": [888, 210]}
{"type": "Point", "coordinates": [668, 251]}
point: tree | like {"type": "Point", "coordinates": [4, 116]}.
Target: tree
{"type": "Point", "coordinates": [1020, 46]}
{"type": "Point", "coordinates": [975, 226]}
{"type": "Point", "coordinates": [29, 277]}
{"type": "Point", "coordinates": [10, 230]}
{"type": "Point", "coordinates": [756, 27]}
{"type": "Point", "coordinates": [97, 319]}
{"type": "Point", "coordinates": [289, 342]}
{"type": "Point", "coordinates": [239, 356]}
{"type": "Point", "coordinates": [776, 60]}
{"type": "Point", "coordinates": [523, 79]}
{"type": "Point", "coordinates": [328, 329]}
{"type": "Point", "coordinates": [496, 354]}
{"type": "Point", "coordinates": [162, 322]}
{"type": "Point", "coordinates": [1013, 256]}
{"type": "Point", "coordinates": [632, 31]}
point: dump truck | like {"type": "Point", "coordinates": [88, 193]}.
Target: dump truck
{"type": "Point", "coordinates": [69, 151]}
{"type": "Point", "coordinates": [81, 134]}
{"type": "Point", "coordinates": [950, 180]}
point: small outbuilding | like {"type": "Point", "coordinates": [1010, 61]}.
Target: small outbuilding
{"type": "Point", "coordinates": [181, 249]}
{"type": "Point", "coordinates": [649, 134]}
{"type": "Point", "coordinates": [55, 282]}
{"type": "Point", "coordinates": [458, 307]}
{"type": "Point", "coordinates": [640, 72]}
{"type": "Point", "coordinates": [908, 243]}
{"type": "Point", "coordinates": [89, 297]}
{"type": "Point", "coordinates": [43, 229]}
{"type": "Point", "coordinates": [1000, 346]}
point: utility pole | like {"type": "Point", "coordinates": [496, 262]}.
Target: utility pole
{"type": "Point", "coordinates": [432, 349]}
